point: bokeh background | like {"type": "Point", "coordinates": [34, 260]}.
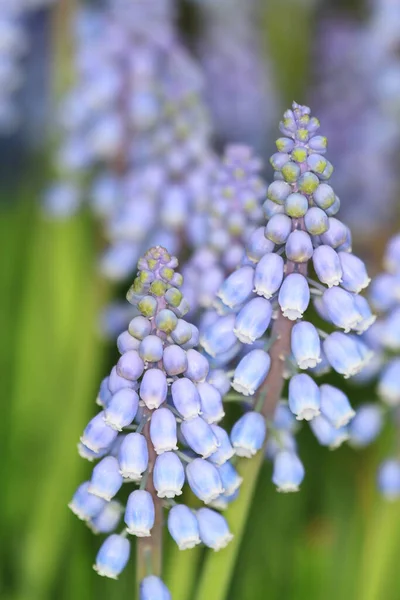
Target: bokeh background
{"type": "Point", "coordinates": [337, 538]}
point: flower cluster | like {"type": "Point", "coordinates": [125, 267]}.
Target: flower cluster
{"type": "Point", "coordinates": [156, 399]}
{"type": "Point", "coordinates": [239, 80]}
{"type": "Point", "coordinates": [233, 211]}
{"type": "Point", "coordinates": [303, 237]}
{"type": "Point", "coordinates": [362, 122]}
{"type": "Point", "coordinates": [384, 338]}
{"type": "Point", "coordinates": [136, 123]}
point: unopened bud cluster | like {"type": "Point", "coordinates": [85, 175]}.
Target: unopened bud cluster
{"type": "Point", "coordinates": [155, 400]}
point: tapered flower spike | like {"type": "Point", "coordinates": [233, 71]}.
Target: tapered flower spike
{"type": "Point", "coordinates": [307, 258]}
{"type": "Point", "coordinates": [155, 395]}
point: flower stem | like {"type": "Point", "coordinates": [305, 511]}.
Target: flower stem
{"type": "Point", "coordinates": [149, 549]}
{"type": "Point", "coordinates": [218, 569]}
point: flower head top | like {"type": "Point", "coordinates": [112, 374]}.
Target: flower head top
{"type": "Point", "coordinates": [157, 388]}
{"type": "Point", "coordinates": [233, 212]}
{"type": "Point", "coordinates": [302, 237]}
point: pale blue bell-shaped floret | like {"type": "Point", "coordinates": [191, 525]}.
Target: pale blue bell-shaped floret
{"type": "Point", "coordinates": [84, 505]}
{"type": "Point", "coordinates": [316, 221]}
{"type": "Point", "coordinates": [334, 208]}
{"type": "Point", "coordinates": [288, 471]}
{"type": "Point", "coordinates": [389, 479]}
{"type": "Point", "coordinates": [151, 349]}
{"type": "Point", "coordinates": [343, 354]}
{"type": "Point", "coordinates": [88, 454]}
{"type": "Point", "coordinates": [341, 308]}
{"type": "Point", "coordinates": [139, 327]}
{"type": "Point", "coordinates": [299, 247]}
{"type": "Point", "coordinates": [163, 430]}
{"type": "Point", "coordinates": [166, 320]}
{"type": "Point", "coordinates": [335, 406]}
{"type": "Point", "coordinates": [186, 398]}
{"type": "Point", "coordinates": [389, 383]}
{"type": "Point", "coordinates": [168, 475]}
{"type": "Point", "coordinates": [296, 205]}
{"type": "Point", "coordinates": [383, 293]}
{"type": "Point", "coordinates": [327, 265]}
{"type": "Point", "coordinates": [304, 397]}
{"type": "Point", "coordinates": [268, 275]}
{"type": "Point", "coordinates": [182, 333]}
{"type": "Point", "coordinates": [212, 408]}
{"type": "Point", "coordinates": [366, 425]}
{"type": "Point", "coordinates": [126, 342]}
{"type": "Point", "coordinates": [278, 228]}
{"type": "Point", "coordinates": [98, 435]}
{"type": "Point", "coordinates": [140, 513]}
{"type": "Point", "coordinates": [337, 234]}
{"type": "Point", "coordinates": [133, 456]}
{"type": "Point", "coordinates": [113, 556]}
{"type": "Point", "coordinates": [183, 527]}
{"type": "Point", "coordinates": [214, 530]}
{"type": "Point", "coordinates": [251, 372]}
{"type": "Point", "coordinates": [198, 366]}
{"type": "Point", "coordinates": [367, 317]}
{"type": "Point", "coordinates": [219, 337]}
{"type": "Point", "coordinates": [306, 345]}
{"type": "Point", "coordinates": [248, 434]}
{"type": "Point", "coordinates": [116, 382]}
{"type": "Point", "coordinates": [294, 296]}
{"type": "Point", "coordinates": [106, 479]}
{"type": "Point", "coordinates": [225, 450]}
{"type": "Point", "coordinates": [108, 519]}
{"type": "Point", "coordinates": [204, 480]}
{"type": "Point", "coordinates": [153, 388]}
{"type": "Point", "coordinates": [327, 434]}
{"type": "Point", "coordinates": [258, 245]}
{"type": "Point", "coordinates": [194, 340]}
{"type": "Point", "coordinates": [153, 588]}
{"type": "Point", "coordinates": [104, 395]}
{"type": "Point", "coordinates": [278, 191]}
{"type": "Point", "coordinates": [355, 277]}
{"type": "Point", "coordinates": [231, 480]}
{"type": "Point", "coordinates": [121, 409]}
{"type": "Point", "coordinates": [324, 196]}
{"type": "Point", "coordinates": [174, 360]}
{"type": "Point", "coordinates": [390, 331]}
{"type": "Point", "coordinates": [220, 380]}
{"type": "Point", "coordinates": [392, 255]}
{"type": "Point", "coordinates": [284, 418]}
{"type": "Point", "coordinates": [199, 436]}
{"type": "Point", "coordinates": [130, 365]}
{"type": "Point", "coordinates": [237, 287]}
{"type": "Point", "coordinates": [253, 320]}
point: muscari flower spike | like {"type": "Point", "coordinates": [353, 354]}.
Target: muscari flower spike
{"type": "Point", "coordinates": [158, 423]}
{"type": "Point", "coordinates": [384, 338]}
{"type": "Point", "coordinates": [306, 258]}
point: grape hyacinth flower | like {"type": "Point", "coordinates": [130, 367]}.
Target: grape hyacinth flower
{"type": "Point", "coordinates": [234, 210]}
{"type": "Point", "coordinates": [151, 432]}
{"type": "Point", "coordinates": [306, 259]}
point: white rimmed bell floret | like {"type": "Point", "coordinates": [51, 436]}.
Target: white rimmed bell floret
{"type": "Point", "coordinates": [345, 354]}
{"type": "Point", "coordinates": [139, 513]}
{"type": "Point", "coordinates": [212, 408]}
{"type": "Point", "coordinates": [199, 436]}
{"type": "Point", "coordinates": [294, 296]}
{"type": "Point", "coordinates": [225, 450]}
{"type": "Point", "coordinates": [219, 337]}
{"type": "Point", "coordinates": [85, 505]}
{"type": "Point", "coordinates": [106, 478]}
{"type": "Point", "coordinates": [163, 430]}
{"type": "Point", "coordinates": [231, 480]}
{"type": "Point", "coordinates": [133, 456]}
{"type": "Point", "coordinates": [335, 406]}
{"type": "Point", "coordinates": [327, 265]}
{"type": "Point", "coordinates": [121, 409]}
{"type": "Point", "coordinates": [186, 398]}
{"type": "Point", "coordinates": [341, 308]}
{"type": "Point", "coordinates": [213, 528]}
{"type": "Point", "coordinates": [248, 434]}
{"type": "Point", "coordinates": [304, 397]}
{"type": "Point", "coordinates": [237, 288]}
{"type": "Point", "coordinates": [98, 435]}
{"type": "Point", "coordinates": [355, 277]}
{"type": "Point", "coordinates": [113, 556]}
{"type": "Point", "coordinates": [168, 475]}
{"type": "Point", "coordinates": [108, 519]}
{"type": "Point", "coordinates": [327, 434]}
{"type": "Point", "coordinates": [288, 471]}
{"type": "Point", "coordinates": [204, 480]}
{"type": "Point", "coordinates": [253, 320]}
{"type": "Point", "coordinates": [306, 345]}
{"type": "Point", "coordinates": [251, 372]}
{"type": "Point", "coordinates": [183, 527]}
{"type": "Point", "coordinates": [268, 275]}
{"type": "Point", "coordinates": [153, 388]}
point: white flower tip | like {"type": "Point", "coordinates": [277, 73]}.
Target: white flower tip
{"type": "Point", "coordinates": [244, 452]}
{"type": "Point", "coordinates": [287, 488]}
{"type": "Point", "coordinates": [309, 363]}
{"type": "Point", "coordinates": [162, 449]}
{"type": "Point", "coordinates": [189, 543]}
{"type": "Point", "coordinates": [105, 572]}
{"type": "Point", "coordinates": [108, 421]}
{"type": "Point", "coordinates": [223, 542]}
{"type": "Point", "coordinates": [130, 475]}
{"type": "Point", "coordinates": [99, 493]}
{"type": "Point", "coordinates": [345, 419]}
{"type": "Point", "coordinates": [292, 314]}
{"type": "Point", "coordinates": [139, 532]}
{"type": "Point", "coordinates": [307, 414]}
{"type": "Point", "coordinates": [77, 512]}
{"type": "Point", "coordinates": [169, 493]}
{"type": "Point", "coordinates": [242, 389]}
{"type": "Point", "coordinates": [89, 445]}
